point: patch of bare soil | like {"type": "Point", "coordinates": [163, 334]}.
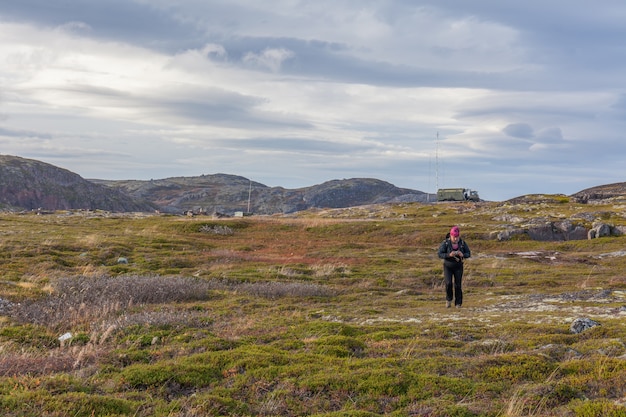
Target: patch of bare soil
{"type": "Point", "coordinates": [568, 306]}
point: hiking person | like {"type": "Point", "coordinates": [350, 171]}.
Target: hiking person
{"type": "Point", "coordinates": [453, 250]}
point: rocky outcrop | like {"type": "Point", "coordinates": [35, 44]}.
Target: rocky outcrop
{"type": "Point", "coordinates": [557, 231]}
{"type": "Point", "coordinates": [601, 192]}
{"type": "Point", "coordinates": [560, 230]}
{"type": "Point", "coordinates": [545, 231]}
{"type": "Point", "coordinates": [600, 229]}
{"type": "Point", "coordinates": [26, 184]}
{"type": "Point", "coordinates": [535, 215]}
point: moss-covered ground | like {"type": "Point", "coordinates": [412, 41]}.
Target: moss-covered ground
{"type": "Point", "coordinates": [325, 313]}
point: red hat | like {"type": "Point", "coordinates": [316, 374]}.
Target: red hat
{"type": "Point", "coordinates": [455, 231]}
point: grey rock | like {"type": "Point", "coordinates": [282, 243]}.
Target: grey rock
{"type": "Point", "coordinates": [581, 324]}
{"type": "Point", "coordinates": [599, 230]}
{"type": "Point", "coordinates": [5, 306]}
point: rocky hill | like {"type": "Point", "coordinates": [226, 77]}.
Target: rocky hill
{"type": "Point", "coordinates": [601, 192]}
{"type": "Point", "coordinates": [222, 193]}
{"type": "Point", "coordinates": [27, 184]}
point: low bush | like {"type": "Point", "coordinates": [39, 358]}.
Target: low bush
{"type": "Point", "coordinates": [78, 300]}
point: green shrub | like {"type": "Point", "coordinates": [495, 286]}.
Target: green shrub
{"type": "Point", "coordinates": [598, 408]}
{"type": "Point", "coordinates": [87, 405]}
{"type": "Point", "coordinates": [29, 335]}
{"type": "Point", "coordinates": [516, 368]}
{"type": "Point", "coordinates": [339, 346]}
{"type": "Point", "coordinates": [193, 371]}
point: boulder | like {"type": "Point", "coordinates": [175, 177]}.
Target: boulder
{"type": "Point", "coordinates": [541, 230]}
{"type": "Point", "coordinates": [600, 230]}
{"type": "Point", "coordinates": [581, 324]}
{"type": "Point", "coordinates": [555, 231]}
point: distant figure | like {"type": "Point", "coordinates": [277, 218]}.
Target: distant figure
{"type": "Point", "coordinates": [453, 250]}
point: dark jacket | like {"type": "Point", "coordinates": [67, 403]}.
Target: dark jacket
{"type": "Point", "coordinates": [446, 247]}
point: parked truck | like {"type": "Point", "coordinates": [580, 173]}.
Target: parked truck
{"type": "Point", "coordinates": [457, 194]}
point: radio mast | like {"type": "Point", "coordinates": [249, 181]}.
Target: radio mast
{"type": "Point", "coordinates": [437, 164]}
{"type": "Point", "coordinates": [249, 194]}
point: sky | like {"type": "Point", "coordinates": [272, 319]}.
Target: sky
{"type": "Point", "coordinates": [506, 98]}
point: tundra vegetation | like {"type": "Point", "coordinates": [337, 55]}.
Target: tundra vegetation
{"type": "Point", "coordinates": [321, 313]}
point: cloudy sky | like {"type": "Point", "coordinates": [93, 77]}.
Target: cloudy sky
{"type": "Point", "coordinates": [508, 98]}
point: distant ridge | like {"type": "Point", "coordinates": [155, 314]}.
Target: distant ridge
{"type": "Point", "coordinates": [223, 193]}
{"type": "Point", "coordinates": [27, 184]}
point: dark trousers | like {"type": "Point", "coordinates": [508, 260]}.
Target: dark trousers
{"type": "Point", "coordinates": [453, 275]}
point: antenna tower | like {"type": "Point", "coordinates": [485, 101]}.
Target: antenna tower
{"type": "Point", "coordinates": [437, 163]}
{"type": "Point", "coordinates": [249, 194]}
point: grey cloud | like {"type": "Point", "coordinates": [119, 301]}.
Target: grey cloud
{"type": "Point", "coordinates": [556, 50]}
{"type": "Point", "coordinates": [620, 105]}
{"type": "Point", "coordinates": [515, 109]}
{"type": "Point", "coordinates": [201, 106]}
{"type": "Point", "coordinates": [296, 145]}
{"type": "Point", "coordinates": [220, 108]}
{"type": "Point", "coordinates": [519, 130]}
{"type": "Point", "coordinates": [22, 133]}
{"type": "Point", "coordinates": [161, 29]}
{"type": "Point", "coordinates": [550, 135]}
{"type": "Point", "coordinates": [181, 26]}
{"type": "Point", "coordinates": [112, 19]}
{"type": "Point", "coordinates": [332, 61]}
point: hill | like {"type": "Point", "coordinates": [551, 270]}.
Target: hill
{"type": "Point", "coordinates": [601, 192]}
{"type": "Point", "coordinates": [27, 184]}
{"type": "Point", "coordinates": [222, 193]}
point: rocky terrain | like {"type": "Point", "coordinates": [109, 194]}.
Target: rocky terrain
{"type": "Point", "coordinates": [602, 192]}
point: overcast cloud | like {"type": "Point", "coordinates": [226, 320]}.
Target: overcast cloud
{"type": "Point", "coordinates": [508, 98]}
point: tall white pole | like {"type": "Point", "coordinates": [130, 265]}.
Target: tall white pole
{"type": "Point", "coordinates": [249, 193]}
{"type": "Point", "coordinates": [437, 163]}
{"type": "Point", "coordinates": [428, 190]}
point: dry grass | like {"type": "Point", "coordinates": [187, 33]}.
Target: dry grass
{"type": "Point", "coordinates": [75, 301]}
{"type": "Point", "coordinates": [78, 301]}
